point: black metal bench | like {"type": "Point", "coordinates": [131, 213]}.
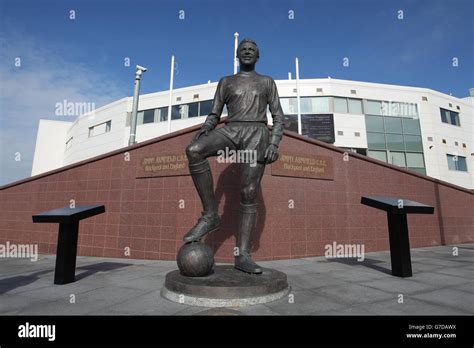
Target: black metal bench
{"type": "Point", "coordinates": [68, 219]}
{"type": "Point", "coordinates": [397, 210]}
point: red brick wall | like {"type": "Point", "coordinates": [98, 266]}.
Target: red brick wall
{"type": "Point", "coordinates": [144, 214]}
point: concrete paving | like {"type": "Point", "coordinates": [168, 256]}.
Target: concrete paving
{"type": "Point", "coordinates": [442, 284]}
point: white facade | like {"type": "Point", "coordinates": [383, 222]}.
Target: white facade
{"type": "Point", "coordinates": [438, 138]}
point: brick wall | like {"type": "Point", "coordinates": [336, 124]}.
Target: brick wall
{"type": "Point", "coordinates": [144, 214]}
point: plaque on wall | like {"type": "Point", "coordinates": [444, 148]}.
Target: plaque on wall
{"type": "Point", "coordinates": [174, 164]}
{"type": "Point", "coordinates": [304, 166]}
{"type": "Point", "coordinates": [319, 127]}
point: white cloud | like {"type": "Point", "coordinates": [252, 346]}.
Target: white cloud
{"type": "Point", "coordinates": [31, 91]}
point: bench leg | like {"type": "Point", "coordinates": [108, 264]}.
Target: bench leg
{"type": "Point", "coordinates": [399, 245]}
{"type": "Point", "coordinates": [66, 253]}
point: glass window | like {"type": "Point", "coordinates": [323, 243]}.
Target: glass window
{"type": "Point", "coordinates": [376, 140]}
{"type": "Point", "coordinates": [164, 114]}
{"type": "Point", "coordinates": [193, 110]}
{"type": "Point", "coordinates": [397, 158]}
{"type": "Point", "coordinates": [413, 143]}
{"type": "Point", "coordinates": [108, 126]}
{"type": "Point", "coordinates": [374, 123]}
{"type": "Point", "coordinates": [139, 117]}
{"type": "Point", "coordinates": [320, 105]}
{"type": "Point", "coordinates": [393, 125]}
{"type": "Point", "coordinates": [450, 117]}
{"type": "Point", "coordinates": [380, 155]}
{"type": "Point", "coordinates": [285, 105]}
{"type": "Point", "coordinates": [306, 106]}
{"type": "Point", "coordinates": [340, 105]}
{"type": "Point", "coordinates": [355, 106]}
{"type": "Point", "coordinates": [457, 163]}
{"type": "Point", "coordinates": [411, 126]}
{"type": "Point", "coordinates": [407, 109]}
{"type": "Point", "coordinates": [205, 107]}
{"type": "Point", "coordinates": [395, 142]}
{"type": "Point", "coordinates": [374, 107]}
{"type": "Point", "coordinates": [444, 115]}
{"type": "Point", "coordinates": [455, 118]}
{"type": "Point", "coordinates": [419, 170]}
{"type": "Point", "coordinates": [177, 112]}
{"type": "Point", "coordinates": [415, 160]}
{"type": "Point", "coordinates": [149, 116]}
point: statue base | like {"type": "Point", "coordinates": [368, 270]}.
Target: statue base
{"type": "Point", "coordinates": [226, 287]}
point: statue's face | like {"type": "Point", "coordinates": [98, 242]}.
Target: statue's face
{"type": "Point", "coordinates": [247, 54]}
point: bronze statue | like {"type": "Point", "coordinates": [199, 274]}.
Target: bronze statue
{"type": "Point", "coordinates": [246, 95]}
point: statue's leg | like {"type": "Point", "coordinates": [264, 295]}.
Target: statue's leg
{"type": "Point", "coordinates": [197, 153]}
{"type": "Point", "coordinates": [251, 177]}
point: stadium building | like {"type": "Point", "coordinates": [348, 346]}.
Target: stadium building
{"type": "Point", "coordinates": [416, 128]}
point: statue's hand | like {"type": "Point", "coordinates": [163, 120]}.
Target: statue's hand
{"type": "Point", "coordinates": [271, 155]}
{"type": "Point", "coordinates": [204, 130]}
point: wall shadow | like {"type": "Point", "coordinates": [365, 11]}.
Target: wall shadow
{"type": "Point", "coordinates": [369, 263]}
{"type": "Point", "coordinates": [99, 267]}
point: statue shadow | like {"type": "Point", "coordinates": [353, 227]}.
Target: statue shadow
{"type": "Point", "coordinates": [228, 187]}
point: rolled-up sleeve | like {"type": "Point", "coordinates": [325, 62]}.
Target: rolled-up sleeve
{"type": "Point", "coordinates": [277, 113]}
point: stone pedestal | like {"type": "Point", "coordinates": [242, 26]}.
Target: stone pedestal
{"type": "Point", "coordinates": [226, 287]}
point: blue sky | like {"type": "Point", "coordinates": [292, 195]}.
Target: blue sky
{"type": "Point", "coordinates": [83, 59]}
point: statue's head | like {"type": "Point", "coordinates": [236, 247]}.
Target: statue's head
{"type": "Point", "coordinates": [247, 52]}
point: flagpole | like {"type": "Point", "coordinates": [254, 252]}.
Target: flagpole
{"type": "Point", "coordinates": [236, 43]}
{"type": "Point", "coordinates": [171, 94]}
{"type": "Point", "coordinates": [298, 103]}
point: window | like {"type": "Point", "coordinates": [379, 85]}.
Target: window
{"type": "Point", "coordinates": [398, 159]}
{"type": "Point", "coordinates": [355, 106]}
{"type": "Point", "coordinates": [177, 112]}
{"type": "Point", "coordinates": [395, 142]}
{"type": "Point", "coordinates": [450, 117]}
{"type": "Point", "coordinates": [374, 107]}
{"type": "Point", "coordinates": [340, 133]}
{"type": "Point", "coordinates": [411, 126]}
{"type": "Point", "coordinates": [205, 107]}
{"type": "Point", "coordinates": [347, 105]}
{"type": "Point", "coordinates": [100, 129]}
{"type": "Point", "coordinates": [379, 155]}
{"type": "Point", "coordinates": [163, 114]}
{"type": "Point", "coordinates": [149, 116]}
{"type": "Point", "coordinates": [457, 163]}
{"type": "Point", "coordinates": [424, 98]}
{"type": "Point", "coordinates": [193, 109]}
{"type": "Point", "coordinates": [353, 91]}
{"type": "Point", "coordinates": [357, 134]}
{"type": "Point", "coordinates": [340, 105]}
{"type": "Point", "coordinates": [415, 160]}
{"type": "Point", "coordinates": [393, 125]}
{"type": "Point", "coordinates": [413, 143]}
{"type": "Point", "coordinates": [374, 123]}
{"type": "Point", "coordinates": [376, 140]}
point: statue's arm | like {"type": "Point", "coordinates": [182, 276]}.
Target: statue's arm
{"type": "Point", "coordinates": [277, 114]}
{"type": "Point", "coordinates": [218, 105]}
